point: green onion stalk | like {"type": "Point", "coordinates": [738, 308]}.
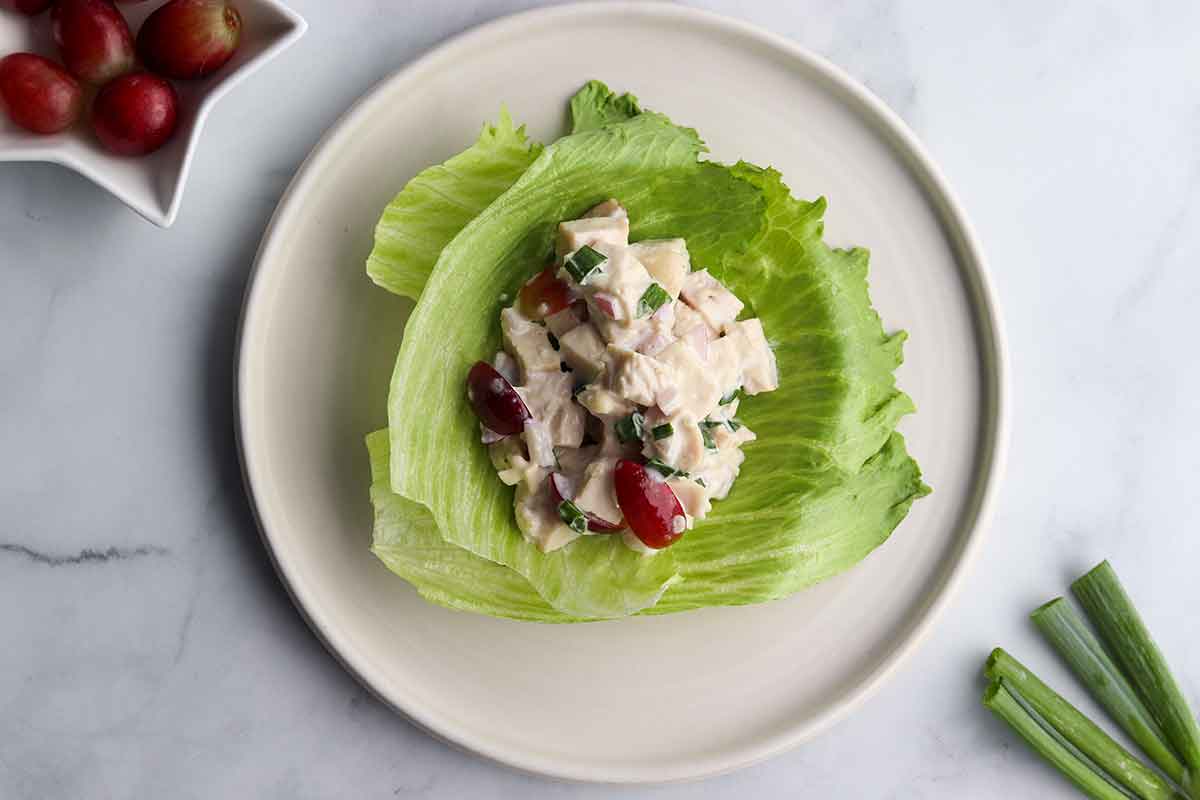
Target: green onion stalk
{"type": "Point", "coordinates": [1111, 612]}
{"type": "Point", "coordinates": [1091, 749]}
{"type": "Point", "coordinates": [1001, 702]}
{"type": "Point", "coordinates": [1067, 633]}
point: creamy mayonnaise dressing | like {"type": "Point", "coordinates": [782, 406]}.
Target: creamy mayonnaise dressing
{"type": "Point", "coordinates": [645, 364]}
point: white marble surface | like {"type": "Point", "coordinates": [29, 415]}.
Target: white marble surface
{"type": "Point", "coordinates": [148, 649]}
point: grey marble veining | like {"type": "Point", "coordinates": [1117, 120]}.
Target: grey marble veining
{"type": "Point", "coordinates": [148, 650]}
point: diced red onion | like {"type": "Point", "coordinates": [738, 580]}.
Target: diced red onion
{"type": "Point", "coordinates": [608, 305]}
{"type": "Point", "coordinates": [562, 487]}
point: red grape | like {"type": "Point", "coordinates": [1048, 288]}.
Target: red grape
{"type": "Point", "coordinates": [495, 401]}
{"type": "Point", "coordinates": [39, 95]}
{"type": "Point", "coordinates": [93, 39]}
{"type": "Point", "coordinates": [135, 114]}
{"type": "Point", "coordinates": [649, 505]}
{"type": "Point", "coordinates": [544, 295]}
{"type": "Point", "coordinates": [190, 38]}
{"type": "Point", "coordinates": [29, 7]}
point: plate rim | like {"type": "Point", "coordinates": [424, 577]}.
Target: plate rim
{"type": "Point", "coordinates": [972, 265]}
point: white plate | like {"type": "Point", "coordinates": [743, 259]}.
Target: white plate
{"type": "Point", "coordinates": [151, 185]}
{"type": "Point", "coordinates": [659, 699]}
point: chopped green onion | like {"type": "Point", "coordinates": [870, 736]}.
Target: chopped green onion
{"type": "Point", "coordinates": [1111, 612]}
{"type": "Point", "coordinates": [706, 435]}
{"type": "Point", "coordinates": [583, 262]}
{"type": "Point", "coordinates": [662, 431]}
{"type": "Point", "coordinates": [734, 424]}
{"type": "Point", "coordinates": [666, 470]}
{"type": "Point", "coordinates": [1079, 733]}
{"type": "Point", "coordinates": [1079, 647]}
{"type": "Point", "coordinates": [652, 299]}
{"type": "Point", "coordinates": [1000, 701]}
{"type": "Point", "coordinates": [631, 428]}
{"type": "Point", "coordinates": [574, 518]}
{"type": "Point", "coordinates": [729, 398]}
{"type": "Point", "coordinates": [701, 482]}
{"type": "Point", "coordinates": [553, 340]}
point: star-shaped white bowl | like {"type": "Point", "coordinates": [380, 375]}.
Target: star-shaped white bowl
{"type": "Point", "coordinates": [151, 185]}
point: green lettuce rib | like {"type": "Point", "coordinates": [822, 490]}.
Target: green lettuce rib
{"type": "Point", "coordinates": [825, 484]}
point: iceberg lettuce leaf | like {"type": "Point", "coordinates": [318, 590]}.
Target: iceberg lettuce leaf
{"type": "Point", "coordinates": [436, 459]}
{"type": "Point", "coordinates": [826, 482]}
{"type": "Point", "coordinates": [595, 105]}
{"type": "Point", "coordinates": [407, 540]}
{"type": "Point", "coordinates": [439, 202]}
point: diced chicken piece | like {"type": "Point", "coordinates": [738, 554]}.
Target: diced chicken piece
{"type": "Point", "coordinates": [612, 446]}
{"type": "Point", "coordinates": [584, 351]}
{"type": "Point", "coordinates": [687, 319]}
{"type": "Point", "coordinates": [759, 371]}
{"type": "Point", "coordinates": [725, 364]}
{"type": "Point", "coordinates": [726, 410]}
{"type": "Point", "coordinates": [604, 403]}
{"type": "Point", "coordinates": [572, 461]}
{"type": "Point", "coordinates": [597, 493]}
{"type": "Point", "coordinates": [692, 496]}
{"type": "Point", "coordinates": [664, 318]}
{"type": "Point", "coordinates": [711, 299]}
{"type": "Point", "coordinates": [507, 453]}
{"type": "Point", "coordinates": [621, 282]}
{"type": "Point", "coordinates": [592, 231]}
{"type": "Point", "coordinates": [628, 336]}
{"type": "Point", "coordinates": [507, 366]}
{"type": "Point", "coordinates": [684, 448]}
{"type": "Point", "coordinates": [720, 470]}
{"type": "Point", "coordinates": [609, 208]}
{"type": "Point", "coordinates": [725, 437]}
{"type": "Point", "coordinates": [666, 260]}
{"type": "Point", "coordinates": [509, 477]}
{"type": "Point", "coordinates": [563, 321]}
{"type": "Point", "coordinates": [531, 476]}
{"type": "Point", "coordinates": [537, 442]}
{"type": "Point", "coordinates": [695, 392]}
{"type": "Point", "coordinates": [548, 398]}
{"type": "Point", "coordinates": [528, 342]}
{"type": "Point", "coordinates": [538, 518]}
{"type": "Point", "coordinates": [661, 334]}
{"type": "Point", "coordinates": [639, 378]}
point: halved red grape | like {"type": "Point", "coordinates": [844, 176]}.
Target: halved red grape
{"type": "Point", "coordinates": [649, 505]}
{"type": "Point", "coordinates": [544, 295]}
{"type": "Point", "coordinates": [135, 114]}
{"type": "Point", "coordinates": [38, 94]}
{"type": "Point", "coordinates": [93, 39]}
{"type": "Point", "coordinates": [495, 401]}
{"type": "Point", "coordinates": [560, 489]}
{"type": "Point", "coordinates": [190, 38]}
{"type": "Point", "coordinates": [29, 7]}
